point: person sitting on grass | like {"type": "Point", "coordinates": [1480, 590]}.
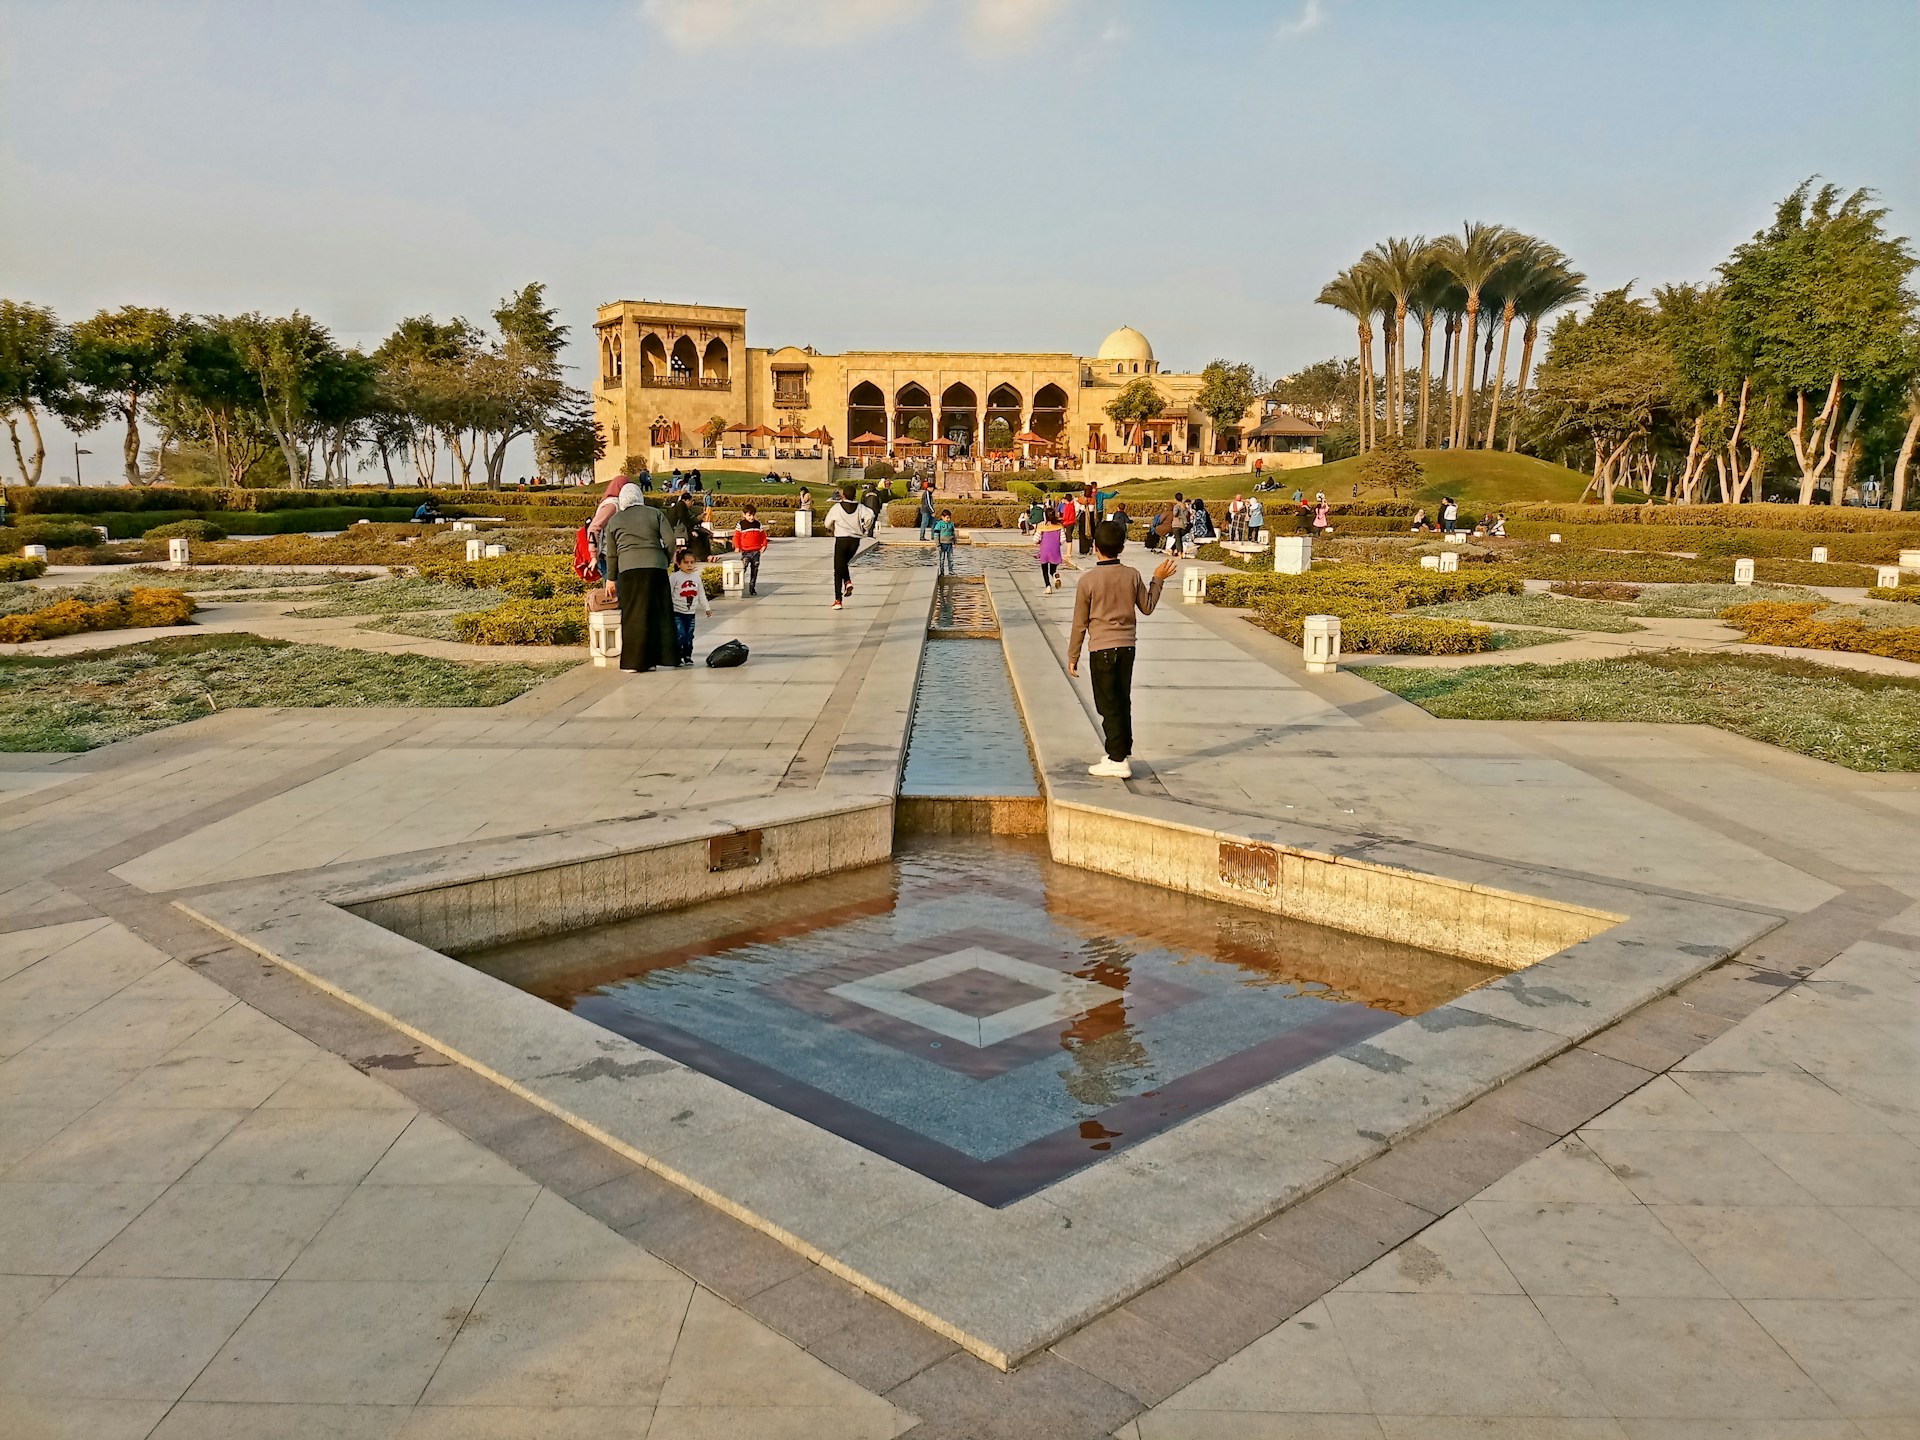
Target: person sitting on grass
{"type": "Point", "coordinates": [427, 513]}
{"type": "Point", "coordinates": [1104, 601]}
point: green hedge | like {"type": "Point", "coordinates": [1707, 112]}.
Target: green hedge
{"type": "Point", "coordinates": [1862, 547]}
{"type": "Point", "coordinates": [1849, 518]}
{"type": "Point", "coordinates": [19, 567]}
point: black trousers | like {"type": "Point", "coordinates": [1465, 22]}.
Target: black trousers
{"type": "Point", "coordinates": [647, 636]}
{"type": "Point", "coordinates": [1112, 674]}
{"type": "Point", "coordinates": [1047, 572]}
{"type": "Point", "coordinates": [752, 562]}
{"type": "Point", "coordinates": [845, 547]}
{"type": "Point", "coordinates": [1085, 528]}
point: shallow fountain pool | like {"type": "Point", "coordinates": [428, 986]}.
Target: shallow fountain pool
{"type": "Point", "coordinates": [978, 1013]}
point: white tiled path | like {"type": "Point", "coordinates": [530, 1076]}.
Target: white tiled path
{"type": "Point", "coordinates": [210, 1227]}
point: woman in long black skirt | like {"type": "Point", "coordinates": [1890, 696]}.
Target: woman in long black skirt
{"type": "Point", "coordinates": [638, 551]}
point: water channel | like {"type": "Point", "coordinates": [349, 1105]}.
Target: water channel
{"type": "Point", "coordinates": [970, 1008]}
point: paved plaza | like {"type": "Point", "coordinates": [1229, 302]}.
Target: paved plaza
{"type": "Point", "coordinates": [234, 1205]}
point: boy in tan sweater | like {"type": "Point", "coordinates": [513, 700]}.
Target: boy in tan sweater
{"type": "Point", "coordinates": [1104, 601]}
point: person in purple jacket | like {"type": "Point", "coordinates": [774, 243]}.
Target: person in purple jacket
{"type": "Point", "coordinates": [1047, 550]}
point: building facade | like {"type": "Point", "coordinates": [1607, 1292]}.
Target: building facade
{"type": "Point", "coordinates": [667, 372]}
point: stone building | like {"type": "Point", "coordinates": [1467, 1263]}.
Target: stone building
{"type": "Point", "coordinates": [668, 371]}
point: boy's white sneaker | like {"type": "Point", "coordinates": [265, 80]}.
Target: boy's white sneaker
{"type": "Point", "coordinates": [1112, 769]}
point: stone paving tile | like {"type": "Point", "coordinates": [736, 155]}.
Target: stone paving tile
{"type": "Point", "coordinates": [122, 1339]}
{"type": "Point", "coordinates": [198, 1420]}
{"type": "Point", "coordinates": [1134, 1355]}
{"type": "Point", "coordinates": [54, 1229]}
{"type": "Point", "coordinates": [962, 1398]}
{"type": "Point", "coordinates": [339, 1342]}
{"type": "Point", "coordinates": [1682, 1358]}
{"type": "Point", "coordinates": [220, 1232]}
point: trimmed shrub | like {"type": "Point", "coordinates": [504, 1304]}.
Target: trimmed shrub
{"type": "Point", "coordinates": [967, 515]}
{"type": "Point", "coordinates": [558, 620]}
{"type": "Point", "coordinates": [187, 530]}
{"type": "Point", "coordinates": [19, 567]}
{"type": "Point", "coordinates": [1381, 587]}
{"type": "Point", "coordinates": [1905, 594]}
{"type": "Point", "coordinates": [56, 532]}
{"type": "Point", "coordinates": [525, 577]}
{"type": "Point", "coordinates": [1773, 623]}
{"type": "Point", "coordinates": [1743, 517]}
{"type": "Point", "coordinates": [712, 582]}
{"type": "Point", "coordinates": [1374, 632]}
{"type": "Point", "coordinates": [134, 610]}
{"type": "Point", "coordinates": [1595, 589]}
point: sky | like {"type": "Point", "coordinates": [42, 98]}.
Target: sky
{"type": "Point", "coordinates": [941, 174]}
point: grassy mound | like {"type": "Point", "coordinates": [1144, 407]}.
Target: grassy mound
{"type": "Point", "coordinates": [1864, 722]}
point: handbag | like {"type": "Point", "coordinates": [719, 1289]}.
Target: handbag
{"type": "Point", "coordinates": [726, 655]}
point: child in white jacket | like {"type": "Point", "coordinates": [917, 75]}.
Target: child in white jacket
{"type": "Point", "coordinates": [687, 590]}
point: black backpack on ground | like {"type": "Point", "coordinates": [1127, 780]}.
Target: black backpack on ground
{"type": "Point", "coordinates": [726, 655]}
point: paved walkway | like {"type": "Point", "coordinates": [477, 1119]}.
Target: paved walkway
{"type": "Point", "coordinates": [210, 1225]}
{"type": "Point", "coordinates": [1733, 1251]}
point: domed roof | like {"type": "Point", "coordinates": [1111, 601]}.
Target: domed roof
{"type": "Point", "coordinates": [1126, 343]}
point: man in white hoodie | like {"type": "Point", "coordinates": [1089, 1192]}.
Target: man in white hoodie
{"type": "Point", "coordinates": [843, 522]}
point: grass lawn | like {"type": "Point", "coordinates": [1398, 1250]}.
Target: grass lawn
{"type": "Point", "coordinates": [1864, 722]}
{"type": "Point", "coordinates": [1478, 479]}
{"type": "Point", "coordinates": [1549, 610]}
{"type": "Point", "coordinates": [80, 701]}
{"type": "Point", "coordinates": [1705, 602]}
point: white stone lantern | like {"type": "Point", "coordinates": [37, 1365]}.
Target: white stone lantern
{"type": "Point", "coordinates": [603, 638]}
{"type": "Point", "coordinates": [474, 548]}
{"type": "Point", "coordinates": [802, 523]}
{"type": "Point", "coordinates": [1554, 539]}
{"type": "Point", "coordinates": [1429, 562]}
{"type": "Point", "coordinates": [1193, 584]}
{"type": "Point", "coordinates": [1819, 555]}
{"type": "Point", "coordinates": [1910, 559]}
{"type": "Point", "coordinates": [1292, 554]}
{"type": "Point", "coordinates": [34, 552]}
{"type": "Point", "coordinates": [1265, 535]}
{"type": "Point", "coordinates": [1449, 561]}
{"type": "Point", "coordinates": [1743, 572]}
{"type": "Point", "coordinates": [493, 552]}
{"type": "Point", "coordinates": [1320, 643]}
{"type": "Point", "coordinates": [1456, 537]}
{"type": "Point", "coordinates": [179, 554]}
{"type": "Point", "coordinates": [1887, 577]}
{"type": "Point", "coordinates": [733, 575]}
{"type": "Point", "coordinates": [462, 525]}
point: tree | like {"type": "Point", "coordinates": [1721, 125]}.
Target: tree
{"type": "Point", "coordinates": [919, 429]}
{"type": "Point", "coordinates": [1606, 380]}
{"type": "Point", "coordinates": [208, 397]}
{"type": "Point", "coordinates": [36, 374]}
{"type": "Point", "coordinates": [423, 377]}
{"type": "Point", "coordinates": [344, 396]}
{"type": "Point", "coordinates": [1322, 392]}
{"type": "Point", "coordinates": [1398, 266]}
{"type": "Point", "coordinates": [1137, 403]}
{"type": "Point", "coordinates": [999, 433]}
{"type": "Point", "coordinates": [284, 357]}
{"type": "Point", "coordinates": [519, 376]}
{"type": "Point", "coordinates": [1427, 301]}
{"type": "Point", "coordinates": [712, 431]}
{"type": "Point", "coordinates": [1226, 390]}
{"type": "Point", "coordinates": [1391, 463]}
{"type": "Point", "coordinates": [121, 357]}
{"type": "Point", "coordinates": [1474, 257]}
{"type": "Point", "coordinates": [1357, 292]}
{"type": "Point", "coordinates": [1818, 313]}
{"type": "Point", "coordinates": [572, 443]}
{"type": "Point", "coordinates": [1549, 286]}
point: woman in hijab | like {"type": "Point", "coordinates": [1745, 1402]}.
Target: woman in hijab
{"type": "Point", "coordinates": [639, 549]}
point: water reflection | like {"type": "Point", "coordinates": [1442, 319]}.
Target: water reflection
{"type": "Point", "coordinates": [977, 1012]}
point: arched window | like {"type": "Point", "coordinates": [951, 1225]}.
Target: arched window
{"type": "Point", "coordinates": [686, 360]}
{"type": "Point", "coordinates": [653, 359]}
{"type": "Point", "coordinates": [716, 364]}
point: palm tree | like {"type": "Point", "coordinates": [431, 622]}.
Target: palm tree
{"type": "Point", "coordinates": [1427, 302]}
{"type": "Point", "coordinates": [1398, 266]}
{"type": "Point", "coordinates": [1542, 291]}
{"type": "Point", "coordinates": [1358, 293]}
{"type": "Point", "coordinates": [1473, 258]}
{"type": "Point", "coordinates": [1528, 255]}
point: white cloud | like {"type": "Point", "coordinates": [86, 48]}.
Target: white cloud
{"type": "Point", "coordinates": [713, 24]}
{"type": "Point", "coordinates": [1311, 17]}
{"type": "Point", "coordinates": [1011, 21]}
